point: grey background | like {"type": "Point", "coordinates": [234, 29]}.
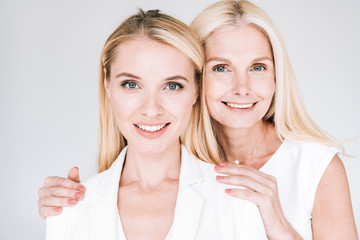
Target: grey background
{"type": "Point", "coordinates": [49, 54]}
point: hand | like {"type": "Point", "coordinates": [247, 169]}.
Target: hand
{"type": "Point", "coordinates": [58, 192]}
{"type": "Point", "coordinates": [262, 190]}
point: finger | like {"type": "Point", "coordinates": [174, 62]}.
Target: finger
{"type": "Point", "coordinates": [49, 211]}
{"type": "Point", "coordinates": [61, 192]}
{"type": "Point", "coordinates": [244, 181]}
{"type": "Point", "coordinates": [56, 202]}
{"type": "Point", "coordinates": [233, 169]}
{"type": "Point", "coordinates": [63, 182]}
{"type": "Point", "coordinates": [245, 194]}
{"type": "Point", "coordinates": [74, 174]}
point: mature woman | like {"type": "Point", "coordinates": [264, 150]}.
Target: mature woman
{"type": "Point", "coordinates": [290, 168]}
{"type": "Point", "coordinates": [252, 115]}
{"type": "Point", "coordinates": [150, 187]}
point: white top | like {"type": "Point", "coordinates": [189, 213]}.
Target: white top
{"type": "Point", "coordinates": [298, 168]}
{"type": "Point", "coordinates": [203, 211]}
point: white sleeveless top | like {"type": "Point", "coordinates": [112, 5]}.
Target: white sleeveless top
{"type": "Point", "coordinates": [298, 168]}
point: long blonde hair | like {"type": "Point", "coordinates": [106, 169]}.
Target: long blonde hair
{"type": "Point", "coordinates": [287, 111]}
{"type": "Point", "coordinates": [156, 26]}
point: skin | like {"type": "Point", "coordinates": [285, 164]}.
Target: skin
{"type": "Point", "coordinates": [58, 192]}
{"type": "Point", "coordinates": [235, 74]}
{"type": "Point", "coordinates": [244, 74]}
{"type": "Point", "coordinates": [158, 77]}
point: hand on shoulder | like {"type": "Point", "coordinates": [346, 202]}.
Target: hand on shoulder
{"type": "Point", "coordinates": [58, 192]}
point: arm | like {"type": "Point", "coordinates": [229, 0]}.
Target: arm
{"type": "Point", "coordinates": [58, 192]}
{"type": "Point", "coordinates": [262, 190]}
{"type": "Point", "coordinates": [332, 213]}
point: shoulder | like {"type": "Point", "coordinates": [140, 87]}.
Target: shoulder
{"type": "Point", "coordinates": [307, 158]}
{"type": "Point", "coordinates": [203, 176]}
{"type": "Point", "coordinates": [333, 177]}
{"type": "Point", "coordinates": [72, 217]}
{"type": "Point", "coordinates": [305, 164]}
{"type": "Point", "coordinates": [310, 148]}
{"type": "Point", "coordinates": [312, 158]}
{"type": "Point", "coordinates": [332, 213]}
{"type": "Point", "coordinates": [64, 225]}
{"type": "Point", "coordinates": [91, 185]}
{"type": "Point", "coordinates": [241, 217]}
{"type": "Point", "coordinates": [207, 169]}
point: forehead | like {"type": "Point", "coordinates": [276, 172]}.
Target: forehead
{"type": "Point", "coordinates": [243, 39]}
{"type": "Point", "coordinates": [145, 56]}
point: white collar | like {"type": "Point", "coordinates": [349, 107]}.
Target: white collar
{"type": "Point", "coordinates": [190, 172]}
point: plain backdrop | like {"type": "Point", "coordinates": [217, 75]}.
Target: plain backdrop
{"type": "Point", "coordinates": [49, 55]}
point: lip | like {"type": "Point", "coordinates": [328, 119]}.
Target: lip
{"type": "Point", "coordinates": [246, 107]}
{"type": "Point", "coordinates": [148, 134]}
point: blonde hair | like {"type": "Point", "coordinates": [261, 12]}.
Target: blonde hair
{"type": "Point", "coordinates": [156, 26]}
{"type": "Point", "coordinates": [287, 111]}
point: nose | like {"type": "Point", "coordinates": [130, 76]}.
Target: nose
{"type": "Point", "coordinates": [241, 84]}
{"type": "Point", "coordinates": [152, 106]}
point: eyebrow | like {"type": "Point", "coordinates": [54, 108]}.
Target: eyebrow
{"type": "Point", "coordinates": [220, 59]}
{"type": "Point", "coordinates": [176, 77]}
{"type": "Point", "coordinates": [125, 74]}
{"type": "Point", "coordinates": [262, 59]}
{"type": "Point", "coordinates": [217, 59]}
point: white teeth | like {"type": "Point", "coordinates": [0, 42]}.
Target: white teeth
{"type": "Point", "coordinates": [239, 106]}
{"type": "Point", "coordinates": [151, 128]}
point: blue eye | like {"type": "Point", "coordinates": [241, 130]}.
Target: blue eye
{"type": "Point", "coordinates": [220, 68]}
{"type": "Point", "coordinates": [174, 86]}
{"type": "Point", "coordinates": [258, 68]}
{"type": "Point", "coordinates": [130, 85]}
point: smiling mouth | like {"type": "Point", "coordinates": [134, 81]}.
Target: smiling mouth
{"type": "Point", "coordinates": [151, 129]}
{"type": "Point", "coordinates": [239, 106]}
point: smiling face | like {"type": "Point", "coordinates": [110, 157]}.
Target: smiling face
{"type": "Point", "coordinates": [151, 90]}
{"type": "Point", "coordinates": [240, 78]}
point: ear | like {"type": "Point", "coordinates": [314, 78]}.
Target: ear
{"type": "Point", "coordinates": [197, 96]}
{"type": "Point", "coordinates": [197, 93]}
{"type": "Point", "coordinates": [106, 84]}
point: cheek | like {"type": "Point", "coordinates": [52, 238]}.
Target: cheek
{"type": "Point", "coordinates": [270, 90]}
{"type": "Point", "coordinates": [266, 89]}
{"type": "Point", "coordinates": [122, 107]}
{"type": "Point", "coordinates": [181, 109]}
{"type": "Point", "coordinates": [213, 88]}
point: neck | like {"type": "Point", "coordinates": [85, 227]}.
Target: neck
{"type": "Point", "coordinates": [247, 144]}
{"type": "Point", "coordinates": [149, 170]}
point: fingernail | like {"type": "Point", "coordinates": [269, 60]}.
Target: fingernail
{"type": "Point", "coordinates": [222, 164]}
{"type": "Point", "coordinates": [219, 177]}
{"type": "Point", "coordinates": [72, 201]}
{"type": "Point", "coordinates": [81, 188]}
{"type": "Point", "coordinates": [217, 167]}
{"type": "Point", "coordinates": [58, 209]}
{"type": "Point", "coordinates": [227, 190]}
{"type": "Point", "coordinates": [78, 195]}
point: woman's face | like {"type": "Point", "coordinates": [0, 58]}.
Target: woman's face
{"type": "Point", "coordinates": [240, 78]}
{"type": "Point", "coordinates": [152, 90]}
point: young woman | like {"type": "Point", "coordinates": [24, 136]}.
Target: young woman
{"type": "Point", "coordinates": [149, 186]}
{"type": "Point", "coordinates": [252, 114]}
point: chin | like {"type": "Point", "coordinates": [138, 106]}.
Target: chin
{"type": "Point", "coordinates": [152, 146]}
{"type": "Point", "coordinates": [237, 124]}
